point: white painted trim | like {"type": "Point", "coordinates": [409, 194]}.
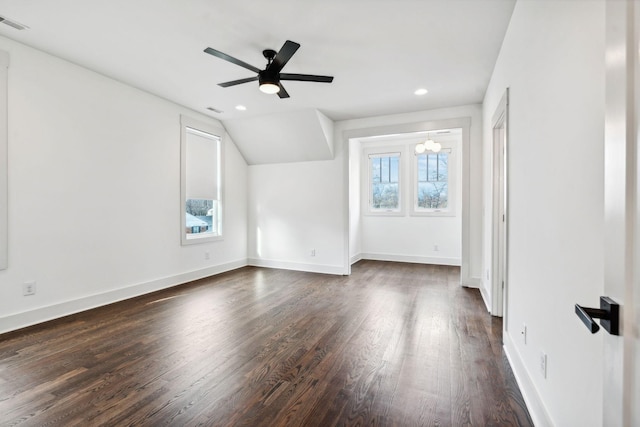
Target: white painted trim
{"type": "Point", "coordinates": [4, 162]}
{"type": "Point", "coordinates": [412, 259]}
{"type": "Point", "coordinates": [485, 297]}
{"type": "Point", "coordinates": [355, 258]}
{"type": "Point", "coordinates": [472, 282]}
{"type": "Point", "coordinates": [537, 410]}
{"type": "Point", "coordinates": [55, 311]}
{"type": "Point", "coordinates": [296, 266]}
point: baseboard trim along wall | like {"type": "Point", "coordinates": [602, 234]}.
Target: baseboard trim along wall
{"type": "Point", "coordinates": [286, 265]}
{"type": "Point", "coordinates": [412, 259]}
{"type": "Point", "coordinates": [537, 410]}
{"type": "Point", "coordinates": [55, 311]}
{"type": "Point", "coordinates": [485, 297]}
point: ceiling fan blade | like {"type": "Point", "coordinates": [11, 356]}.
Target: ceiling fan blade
{"type": "Point", "coordinates": [231, 59]}
{"type": "Point", "coordinates": [306, 78]}
{"type": "Point", "coordinates": [283, 56]}
{"type": "Point", "coordinates": [238, 82]}
{"type": "Point", "coordinates": [283, 93]}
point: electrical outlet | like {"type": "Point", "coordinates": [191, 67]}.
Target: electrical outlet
{"type": "Point", "coordinates": [312, 252]}
{"type": "Point", "coordinates": [524, 332]}
{"type": "Point", "coordinates": [28, 288]}
{"type": "Point", "coordinates": [543, 364]}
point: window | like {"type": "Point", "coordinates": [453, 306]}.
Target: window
{"type": "Point", "coordinates": [433, 186]}
{"type": "Point", "coordinates": [433, 178]}
{"type": "Point", "coordinates": [201, 184]}
{"type": "Point", "coordinates": [384, 183]}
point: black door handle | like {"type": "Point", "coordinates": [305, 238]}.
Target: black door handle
{"type": "Point", "coordinates": [608, 313]}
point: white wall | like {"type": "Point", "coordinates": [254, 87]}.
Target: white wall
{"type": "Point", "coordinates": [94, 185]}
{"type": "Point", "coordinates": [293, 209]}
{"type": "Point", "coordinates": [552, 60]}
{"type": "Point", "coordinates": [296, 207]}
{"type": "Point", "coordinates": [407, 237]}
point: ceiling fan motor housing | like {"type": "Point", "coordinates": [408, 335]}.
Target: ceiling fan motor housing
{"type": "Point", "coordinates": [265, 77]}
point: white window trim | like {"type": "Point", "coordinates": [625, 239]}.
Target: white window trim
{"type": "Point", "coordinates": [366, 176]}
{"type": "Point", "coordinates": [452, 170]}
{"type": "Point", "coordinates": [188, 122]}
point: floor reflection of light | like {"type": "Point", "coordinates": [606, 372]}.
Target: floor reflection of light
{"type": "Point", "coordinates": [206, 325]}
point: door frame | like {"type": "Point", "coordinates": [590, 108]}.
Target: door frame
{"type": "Point", "coordinates": [499, 217]}
{"type": "Point", "coordinates": [621, 361]}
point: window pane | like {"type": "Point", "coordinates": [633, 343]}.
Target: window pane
{"type": "Point", "coordinates": [432, 195]}
{"type": "Point", "coordinates": [422, 167]}
{"type": "Point", "coordinates": [385, 180]}
{"type": "Point", "coordinates": [384, 169]}
{"type": "Point", "coordinates": [443, 166]}
{"type": "Point", "coordinates": [375, 169]}
{"type": "Point", "coordinates": [393, 168]}
{"type": "Point", "coordinates": [432, 181]}
{"type": "Point", "coordinates": [385, 196]}
{"type": "Point", "coordinates": [432, 167]}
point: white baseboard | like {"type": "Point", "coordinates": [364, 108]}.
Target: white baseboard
{"type": "Point", "coordinates": [485, 297]}
{"type": "Point", "coordinates": [412, 259]}
{"type": "Point", "coordinates": [472, 282]}
{"type": "Point", "coordinates": [296, 266]}
{"type": "Point", "coordinates": [355, 258]}
{"type": "Point", "coordinates": [539, 414]}
{"type": "Point", "coordinates": [16, 321]}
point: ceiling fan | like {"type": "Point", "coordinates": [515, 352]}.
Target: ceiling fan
{"type": "Point", "coordinates": [269, 78]}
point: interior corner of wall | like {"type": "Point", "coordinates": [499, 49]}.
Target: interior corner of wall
{"type": "Point", "coordinates": [327, 126]}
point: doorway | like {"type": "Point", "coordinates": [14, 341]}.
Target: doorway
{"type": "Point", "coordinates": [499, 210]}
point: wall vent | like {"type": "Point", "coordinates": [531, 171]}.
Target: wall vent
{"type": "Point", "coordinates": [215, 110]}
{"type": "Point", "coordinates": [13, 24]}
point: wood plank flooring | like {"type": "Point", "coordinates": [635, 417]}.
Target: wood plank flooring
{"type": "Point", "coordinates": [391, 345]}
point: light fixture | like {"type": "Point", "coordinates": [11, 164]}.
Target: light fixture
{"type": "Point", "coordinates": [429, 144]}
{"type": "Point", "coordinates": [241, 108]}
{"type": "Point", "coordinates": [268, 84]}
{"type": "Point", "coordinates": [421, 91]}
{"type": "Point", "coordinates": [269, 88]}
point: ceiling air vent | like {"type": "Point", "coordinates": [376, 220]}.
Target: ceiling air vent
{"type": "Point", "coordinates": [215, 110]}
{"type": "Point", "coordinates": [13, 24]}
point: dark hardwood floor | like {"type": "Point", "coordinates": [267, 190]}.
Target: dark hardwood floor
{"type": "Point", "coordinates": [391, 345]}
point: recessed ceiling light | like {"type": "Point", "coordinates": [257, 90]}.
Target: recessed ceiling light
{"type": "Point", "coordinates": [421, 91]}
{"type": "Point", "coordinates": [241, 108]}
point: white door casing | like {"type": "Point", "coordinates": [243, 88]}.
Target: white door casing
{"type": "Point", "coordinates": [499, 209]}
{"type": "Point", "coordinates": [622, 261]}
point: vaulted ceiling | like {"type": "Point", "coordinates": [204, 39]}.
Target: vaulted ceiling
{"type": "Point", "coordinates": [379, 51]}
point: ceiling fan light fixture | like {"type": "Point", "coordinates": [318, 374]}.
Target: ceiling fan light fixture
{"type": "Point", "coordinates": [269, 87]}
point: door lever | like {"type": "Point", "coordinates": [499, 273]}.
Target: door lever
{"type": "Point", "coordinates": [608, 313]}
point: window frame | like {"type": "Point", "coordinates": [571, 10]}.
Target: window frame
{"type": "Point", "coordinates": [452, 170]}
{"type": "Point", "coordinates": [219, 133]}
{"type": "Point", "coordinates": [379, 152]}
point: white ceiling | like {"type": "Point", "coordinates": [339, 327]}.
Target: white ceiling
{"type": "Point", "coordinates": [380, 51]}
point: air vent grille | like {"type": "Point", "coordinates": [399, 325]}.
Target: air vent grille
{"type": "Point", "coordinates": [215, 110]}
{"type": "Point", "coordinates": [13, 24]}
